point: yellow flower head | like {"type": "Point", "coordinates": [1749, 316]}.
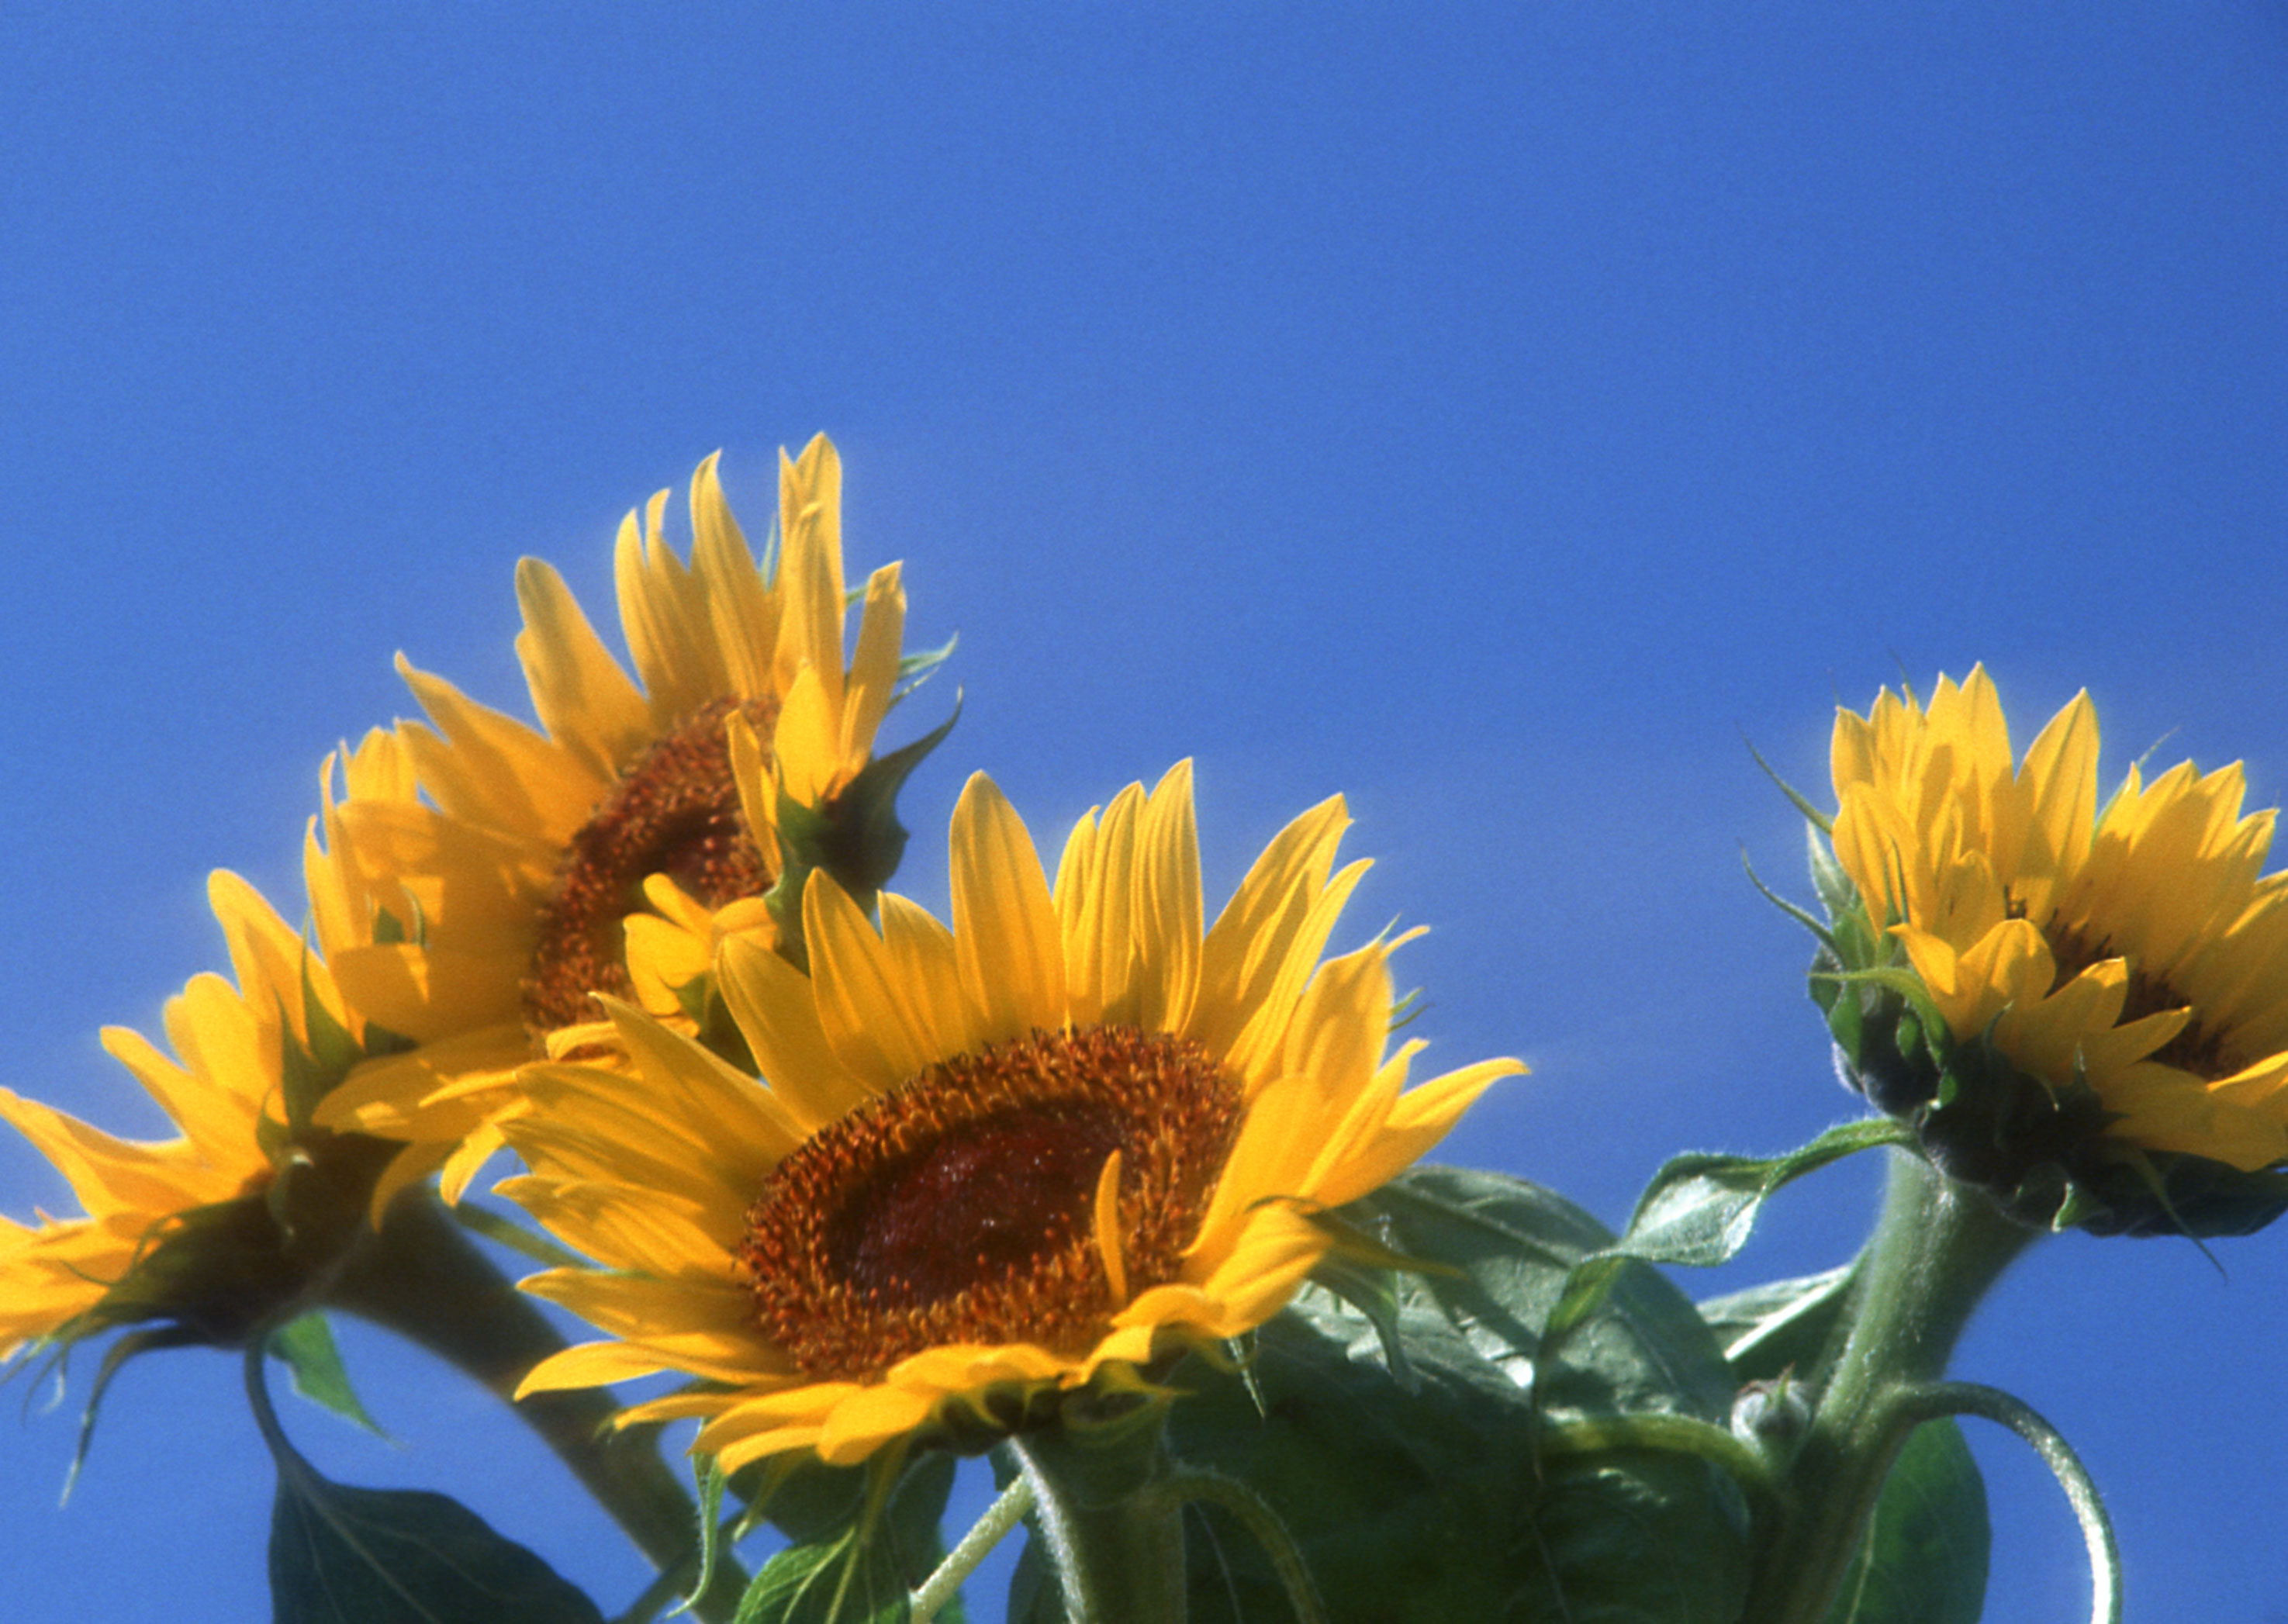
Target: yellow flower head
{"type": "Point", "coordinates": [182, 1230]}
{"type": "Point", "coordinates": [2135, 948]}
{"type": "Point", "coordinates": [1069, 1134]}
{"type": "Point", "coordinates": [482, 873]}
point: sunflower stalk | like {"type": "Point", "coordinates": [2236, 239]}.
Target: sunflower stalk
{"type": "Point", "coordinates": [1938, 1247]}
{"type": "Point", "coordinates": [1113, 1535]}
{"type": "Point", "coordinates": [423, 1278]}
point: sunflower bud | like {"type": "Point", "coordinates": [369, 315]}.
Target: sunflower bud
{"type": "Point", "coordinates": [2081, 1008]}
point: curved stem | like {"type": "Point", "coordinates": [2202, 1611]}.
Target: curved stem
{"type": "Point", "coordinates": [1003, 1515]}
{"type": "Point", "coordinates": [1937, 1248]}
{"type": "Point", "coordinates": [1945, 1398]}
{"type": "Point", "coordinates": [1261, 1521]}
{"type": "Point", "coordinates": [421, 1278]}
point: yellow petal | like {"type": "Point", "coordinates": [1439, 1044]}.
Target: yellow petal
{"type": "Point", "coordinates": [665, 619]}
{"type": "Point", "coordinates": [810, 569]}
{"type": "Point", "coordinates": [1004, 928]}
{"type": "Point", "coordinates": [860, 999]}
{"type": "Point", "coordinates": [582, 696]}
{"type": "Point", "coordinates": [497, 771]}
{"type": "Point", "coordinates": [1167, 909]}
{"type": "Point", "coordinates": [743, 613]}
{"type": "Point", "coordinates": [873, 666]}
{"type": "Point", "coordinates": [772, 1001]}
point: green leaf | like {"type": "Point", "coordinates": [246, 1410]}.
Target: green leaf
{"type": "Point", "coordinates": [306, 1344]}
{"type": "Point", "coordinates": [346, 1556]}
{"type": "Point", "coordinates": [1781, 1325]}
{"type": "Point", "coordinates": [708, 1479]}
{"type": "Point", "coordinates": [1508, 1250]}
{"type": "Point", "coordinates": [1429, 1507]}
{"type": "Point", "coordinates": [1374, 1292]}
{"type": "Point", "coordinates": [349, 1555]}
{"type": "Point", "coordinates": [1701, 1209]}
{"type": "Point", "coordinates": [833, 1581]}
{"type": "Point", "coordinates": [1924, 1560]}
{"type": "Point", "coordinates": [842, 1569]}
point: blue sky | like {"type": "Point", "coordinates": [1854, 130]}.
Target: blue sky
{"type": "Point", "coordinates": [1492, 413]}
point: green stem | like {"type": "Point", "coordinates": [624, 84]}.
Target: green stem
{"type": "Point", "coordinates": [1948, 1399]}
{"type": "Point", "coordinates": [421, 1278]}
{"type": "Point", "coordinates": [1003, 1515]}
{"type": "Point", "coordinates": [1116, 1541]}
{"type": "Point", "coordinates": [1937, 1248]}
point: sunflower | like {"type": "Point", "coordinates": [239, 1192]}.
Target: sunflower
{"type": "Point", "coordinates": [182, 1229]}
{"type": "Point", "coordinates": [2135, 948]}
{"type": "Point", "coordinates": [1069, 1134]}
{"type": "Point", "coordinates": [489, 872]}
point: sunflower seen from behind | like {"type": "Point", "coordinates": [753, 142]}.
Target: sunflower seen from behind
{"type": "Point", "coordinates": [2111, 976]}
{"type": "Point", "coordinates": [1069, 1136]}
{"type": "Point", "coordinates": [241, 1213]}
{"type": "Point", "coordinates": [493, 871]}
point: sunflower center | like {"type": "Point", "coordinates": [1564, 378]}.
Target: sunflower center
{"type": "Point", "coordinates": [676, 813]}
{"type": "Point", "coordinates": [2204, 1051]}
{"type": "Point", "coordinates": [989, 1197]}
{"type": "Point", "coordinates": [960, 1208]}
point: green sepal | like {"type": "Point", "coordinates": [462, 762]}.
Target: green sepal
{"type": "Point", "coordinates": [115, 1359]}
{"type": "Point", "coordinates": [1373, 1294]}
{"type": "Point", "coordinates": [919, 665]}
{"type": "Point", "coordinates": [1924, 1555]}
{"type": "Point", "coordinates": [855, 837]}
{"type": "Point", "coordinates": [310, 1070]}
{"type": "Point", "coordinates": [2040, 1149]}
{"type": "Point", "coordinates": [216, 1271]}
{"type": "Point", "coordinates": [1817, 818]}
{"type": "Point", "coordinates": [701, 1000]}
{"type": "Point", "coordinates": [307, 1345]}
{"type": "Point", "coordinates": [1836, 891]}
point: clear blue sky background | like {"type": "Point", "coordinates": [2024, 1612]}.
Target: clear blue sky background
{"type": "Point", "coordinates": [1489, 413]}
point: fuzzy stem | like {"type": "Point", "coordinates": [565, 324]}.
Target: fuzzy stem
{"type": "Point", "coordinates": [1003, 1515]}
{"type": "Point", "coordinates": [1115, 1540]}
{"type": "Point", "coordinates": [421, 1278]}
{"type": "Point", "coordinates": [1937, 1248]}
{"type": "Point", "coordinates": [1949, 1398]}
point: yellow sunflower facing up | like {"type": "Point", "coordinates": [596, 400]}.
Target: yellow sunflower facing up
{"type": "Point", "coordinates": [249, 1059]}
{"type": "Point", "coordinates": [2135, 948]}
{"type": "Point", "coordinates": [1075, 1131]}
{"type": "Point", "coordinates": [489, 872]}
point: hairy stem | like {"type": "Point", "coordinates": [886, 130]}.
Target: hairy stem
{"type": "Point", "coordinates": [1937, 1248]}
